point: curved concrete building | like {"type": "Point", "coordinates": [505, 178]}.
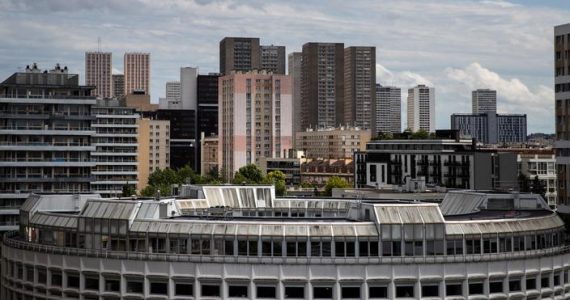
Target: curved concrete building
{"type": "Point", "coordinates": [227, 242]}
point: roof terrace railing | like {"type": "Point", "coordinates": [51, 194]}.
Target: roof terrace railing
{"type": "Point", "coordinates": [11, 241]}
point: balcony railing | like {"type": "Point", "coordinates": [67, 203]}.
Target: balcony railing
{"type": "Point", "coordinates": [11, 240]}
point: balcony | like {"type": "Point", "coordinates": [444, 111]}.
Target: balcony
{"type": "Point", "coordinates": [58, 179]}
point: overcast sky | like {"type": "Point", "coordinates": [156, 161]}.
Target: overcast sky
{"type": "Point", "coordinates": [455, 46]}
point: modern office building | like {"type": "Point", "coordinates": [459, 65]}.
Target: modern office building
{"type": "Point", "coordinates": [98, 73]}
{"type": "Point", "coordinates": [439, 162]}
{"type": "Point", "coordinates": [421, 108]}
{"type": "Point", "coordinates": [388, 109]}
{"type": "Point", "coordinates": [45, 137]}
{"type": "Point", "coordinates": [562, 114]}
{"type": "Point", "coordinates": [118, 85]}
{"type": "Point", "coordinates": [239, 54]}
{"type": "Point", "coordinates": [153, 148]}
{"type": "Point", "coordinates": [255, 115]}
{"type": "Point", "coordinates": [322, 85]}
{"type": "Point", "coordinates": [273, 59]}
{"type": "Point", "coordinates": [115, 142]}
{"type": "Point", "coordinates": [294, 70]}
{"type": "Point", "coordinates": [360, 87]}
{"type": "Point", "coordinates": [137, 73]}
{"type": "Point", "coordinates": [182, 135]}
{"type": "Point", "coordinates": [207, 114]}
{"type": "Point", "coordinates": [173, 96]}
{"type": "Point", "coordinates": [491, 128]}
{"type": "Point", "coordinates": [339, 142]}
{"type": "Point", "coordinates": [484, 101]}
{"type": "Point", "coordinates": [212, 243]}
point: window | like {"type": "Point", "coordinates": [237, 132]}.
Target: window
{"type": "Point", "coordinates": [514, 285]}
{"type": "Point", "coordinates": [113, 285]}
{"type": "Point", "coordinates": [73, 280]}
{"type": "Point", "coordinates": [476, 288]}
{"type": "Point", "coordinates": [210, 290]}
{"type": "Point", "coordinates": [92, 283]}
{"type": "Point", "coordinates": [294, 292]}
{"type": "Point", "coordinates": [495, 287]}
{"type": "Point", "coordinates": [159, 288]}
{"type": "Point", "coordinates": [42, 275]}
{"type": "Point", "coordinates": [378, 292]}
{"type": "Point", "coordinates": [531, 284]}
{"type": "Point", "coordinates": [56, 278]}
{"type": "Point", "coordinates": [545, 282]}
{"type": "Point", "coordinates": [239, 291]}
{"type": "Point", "coordinates": [430, 290]}
{"type": "Point", "coordinates": [135, 286]}
{"type": "Point", "coordinates": [453, 289]}
{"type": "Point", "coordinates": [184, 289]}
{"type": "Point", "coordinates": [30, 273]}
{"type": "Point", "coordinates": [320, 292]}
{"type": "Point", "coordinates": [405, 291]}
{"type": "Point", "coordinates": [352, 292]}
{"type": "Point", "coordinates": [266, 292]}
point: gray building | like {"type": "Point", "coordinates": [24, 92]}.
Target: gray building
{"type": "Point", "coordinates": [491, 128]}
{"type": "Point", "coordinates": [322, 80]}
{"type": "Point", "coordinates": [115, 142]}
{"type": "Point", "coordinates": [273, 59]}
{"type": "Point", "coordinates": [360, 87]}
{"type": "Point", "coordinates": [45, 137]}
{"type": "Point", "coordinates": [294, 70]}
{"type": "Point", "coordinates": [484, 101]}
{"type": "Point", "coordinates": [448, 163]}
{"type": "Point", "coordinates": [239, 54]}
{"type": "Point", "coordinates": [118, 85]}
{"type": "Point", "coordinates": [388, 109]}
{"type": "Point", "coordinates": [562, 113]}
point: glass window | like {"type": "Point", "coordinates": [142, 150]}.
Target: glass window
{"type": "Point", "coordinates": [92, 283]}
{"type": "Point", "coordinates": [545, 282]}
{"type": "Point", "coordinates": [159, 288]}
{"type": "Point", "coordinates": [496, 287]}
{"type": "Point", "coordinates": [238, 291]}
{"type": "Point", "coordinates": [56, 278]}
{"type": "Point", "coordinates": [320, 292]}
{"type": "Point", "coordinates": [404, 291]}
{"type": "Point", "coordinates": [351, 292]}
{"type": "Point", "coordinates": [135, 286]}
{"type": "Point", "coordinates": [514, 285]}
{"type": "Point", "coordinates": [294, 292]}
{"type": "Point", "coordinates": [73, 280]}
{"type": "Point", "coordinates": [42, 275]}
{"type": "Point", "coordinates": [210, 290]}
{"type": "Point", "coordinates": [184, 289]}
{"type": "Point", "coordinates": [453, 289]}
{"type": "Point", "coordinates": [531, 284]}
{"type": "Point", "coordinates": [266, 292]}
{"type": "Point", "coordinates": [113, 285]}
{"type": "Point", "coordinates": [476, 288]}
{"type": "Point", "coordinates": [430, 290]}
{"type": "Point", "coordinates": [378, 292]}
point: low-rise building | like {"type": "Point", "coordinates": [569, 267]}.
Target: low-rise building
{"type": "Point", "coordinates": [319, 171]}
{"type": "Point", "coordinates": [291, 167]}
{"type": "Point", "coordinates": [332, 143]}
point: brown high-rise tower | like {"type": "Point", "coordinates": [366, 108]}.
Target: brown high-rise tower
{"type": "Point", "coordinates": [239, 54]}
{"type": "Point", "coordinates": [137, 73]}
{"type": "Point", "coordinates": [98, 72]}
{"type": "Point", "coordinates": [360, 87]}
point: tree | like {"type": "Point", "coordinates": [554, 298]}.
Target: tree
{"type": "Point", "coordinates": [277, 178]}
{"type": "Point", "coordinates": [523, 183]}
{"type": "Point", "coordinates": [538, 187]}
{"type": "Point", "coordinates": [335, 182]}
{"type": "Point", "coordinates": [420, 135]}
{"type": "Point", "coordinates": [249, 174]}
{"type": "Point", "coordinates": [128, 190]}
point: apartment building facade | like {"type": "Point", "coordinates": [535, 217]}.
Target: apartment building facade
{"type": "Point", "coordinates": [98, 73]}
{"type": "Point", "coordinates": [360, 87]}
{"type": "Point", "coordinates": [388, 109]}
{"type": "Point", "coordinates": [332, 143]}
{"type": "Point", "coordinates": [137, 73]}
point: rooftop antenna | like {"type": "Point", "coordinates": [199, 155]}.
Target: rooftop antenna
{"type": "Point", "coordinates": [98, 44]}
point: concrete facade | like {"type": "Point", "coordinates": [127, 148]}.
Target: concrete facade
{"type": "Point", "coordinates": [484, 101]}
{"type": "Point", "coordinates": [294, 70]}
{"type": "Point", "coordinates": [332, 143]}
{"type": "Point", "coordinates": [153, 148]}
{"type": "Point", "coordinates": [118, 85]}
{"type": "Point", "coordinates": [137, 73]}
{"type": "Point", "coordinates": [98, 73]}
{"type": "Point", "coordinates": [239, 54]}
{"type": "Point", "coordinates": [388, 109]}
{"type": "Point", "coordinates": [360, 87]}
{"type": "Point", "coordinates": [491, 128]}
{"type": "Point", "coordinates": [273, 59]}
{"type": "Point", "coordinates": [421, 108]}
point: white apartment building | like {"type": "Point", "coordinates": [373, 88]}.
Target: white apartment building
{"type": "Point", "coordinates": [484, 101]}
{"type": "Point", "coordinates": [421, 108]}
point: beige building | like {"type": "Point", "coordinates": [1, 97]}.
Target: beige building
{"type": "Point", "coordinates": [255, 118]}
{"type": "Point", "coordinates": [98, 73]}
{"type": "Point", "coordinates": [209, 154]}
{"type": "Point", "coordinates": [332, 143]}
{"type": "Point", "coordinates": [140, 102]}
{"type": "Point", "coordinates": [137, 72]}
{"type": "Point", "coordinates": [153, 148]}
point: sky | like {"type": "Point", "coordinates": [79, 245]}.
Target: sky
{"type": "Point", "coordinates": [455, 46]}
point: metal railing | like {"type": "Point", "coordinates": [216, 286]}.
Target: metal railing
{"type": "Point", "coordinates": [10, 240]}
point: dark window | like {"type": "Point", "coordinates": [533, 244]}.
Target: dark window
{"type": "Point", "coordinates": [56, 278]}
{"type": "Point", "coordinates": [73, 281]}
{"type": "Point", "coordinates": [531, 284]}
{"type": "Point", "coordinates": [294, 292]}
{"type": "Point", "coordinates": [92, 283]}
{"type": "Point", "coordinates": [556, 280]}
{"type": "Point", "coordinates": [351, 292]}
{"type": "Point", "coordinates": [405, 291]}
{"type": "Point", "coordinates": [184, 289]}
{"type": "Point", "coordinates": [326, 249]}
{"type": "Point", "coordinates": [30, 273]}
{"type": "Point", "coordinates": [266, 292]}
{"type": "Point", "coordinates": [159, 288]}
{"type": "Point", "coordinates": [350, 251]}
{"type": "Point", "coordinates": [475, 288]}
{"type": "Point", "coordinates": [315, 248]}
{"type": "Point", "coordinates": [239, 291]}
{"type": "Point", "coordinates": [496, 287]}
{"type": "Point", "coordinates": [378, 292]}
{"type": "Point", "coordinates": [320, 292]}
{"type": "Point", "coordinates": [229, 247]}
{"type": "Point", "coordinates": [42, 275]}
{"type": "Point", "coordinates": [454, 289]}
{"type": "Point", "coordinates": [291, 249]}
{"type": "Point", "coordinates": [374, 248]}
{"type": "Point", "coordinates": [252, 248]}
{"type": "Point", "coordinates": [135, 287]}
{"type": "Point", "coordinates": [545, 282]}
{"type": "Point", "coordinates": [210, 290]}
{"type": "Point", "coordinates": [339, 249]}
{"type": "Point", "coordinates": [242, 247]}
{"type": "Point", "coordinates": [514, 285]}
{"type": "Point", "coordinates": [112, 285]}
{"type": "Point", "coordinates": [430, 291]}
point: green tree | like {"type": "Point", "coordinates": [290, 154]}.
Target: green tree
{"type": "Point", "coordinates": [335, 182]}
{"type": "Point", "coordinates": [277, 178]}
{"type": "Point", "coordinates": [420, 135]}
{"type": "Point", "coordinates": [185, 175]}
{"type": "Point", "coordinates": [249, 174]}
{"type": "Point", "coordinates": [538, 187]}
{"type": "Point", "coordinates": [128, 190]}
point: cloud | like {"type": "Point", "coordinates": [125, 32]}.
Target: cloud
{"type": "Point", "coordinates": [402, 79]}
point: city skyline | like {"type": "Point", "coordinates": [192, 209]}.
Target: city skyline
{"type": "Point", "coordinates": [410, 47]}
